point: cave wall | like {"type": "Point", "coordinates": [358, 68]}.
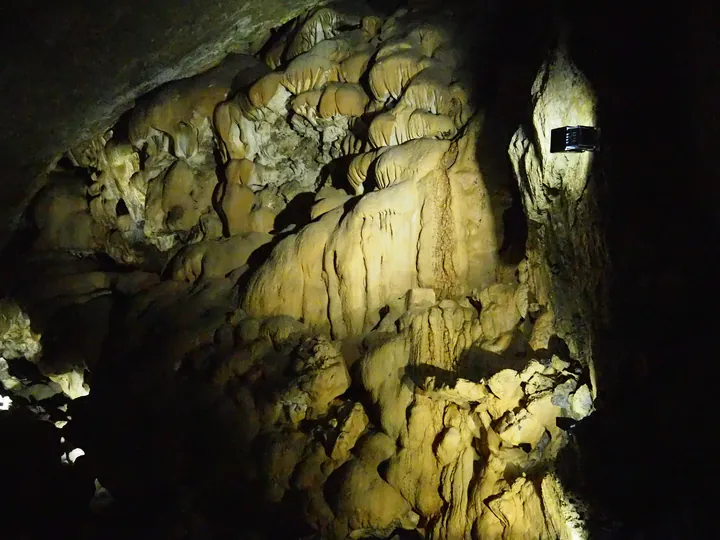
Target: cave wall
{"type": "Point", "coordinates": [389, 329]}
{"type": "Point", "coordinates": [658, 218]}
{"type": "Point", "coordinates": [75, 67]}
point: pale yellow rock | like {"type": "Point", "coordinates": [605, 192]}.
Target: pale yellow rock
{"type": "Point", "coordinates": [558, 184]}
{"type": "Point", "coordinates": [506, 385]}
{"type": "Point", "coordinates": [440, 335]}
{"type": "Point", "coordinates": [429, 91]}
{"type": "Point", "coordinates": [419, 299]}
{"type": "Point", "coordinates": [475, 212]}
{"type": "Point", "coordinates": [181, 112]}
{"type": "Point", "coordinates": [455, 489]}
{"type": "Point", "coordinates": [280, 328]}
{"type": "Point", "coordinates": [371, 25]}
{"type": "Point", "coordinates": [398, 45]}
{"type": "Point", "coordinates": [398, 238]}
{"type": "Point", "coordinates": [414, 159]}
{"type": "Point", "coordinates": [319, 25]}
{"type": "Point", "coordinates": [226, 120]}
{"type": "Point", "coordinates": [273, 57]}
{"type": "Point", "coordinates": [350, 431]}
{"type": "Point", "coordinates": [342, 99]}
{"type": "Point", "coordinates": [499, 313]}
{"type": "Point", "coordinates": [518, 513]}
{"type": "Point", "coordinates": [461, 108]}
{"type": "Point", "coordinates": [415, 470]}
{"type": "Point", "coordinates": [368, 504]}
{"type": "Point", "coordinates": [72, 383]}
{"type": "Point", "coordinates": [215, 258]}
{"type": "Point", "coordinates": [391, 271]}
{"type": "Point", "coordinates": [117, 163]}
{"type": "Point", "coordinates": [336, 50]}
{"type": "Point", "coordinates": [306, 104]}
{"type": "Point", "coordinates": [381, 373]}
{"type": "Point", "coordinates": [236, 203]}
{"type": "Point", "coordinates": [389, 76]}
{"type": "Point", "coordinates": [388, 129]}
{"type": "Point", "coordinates": [541, 406]}
{"type": "Point", "coordinates": [403, 124]}
{"type": "Point", "coordinates": [308, 475]}
{"type": "Point", "coordinates": [309, 72]}
{"type": "Point", "coordinates": [352, 145]}
{"type": "Point", "coordinates": [354, 66]}
{"type": "Point", "coordinates": [176, 200]}
{"type": "Point", "coordinates": [319, 379]}
{"type": "Point", "coordinates": [423, 124]}
{"type": "Point", "coordinates": [543, 330]}
{"type": "Point", "coordinates": [534, 367]}
{"type": "Point", "coordinates": [463, 393]}
{"type": "Point", "coordinates": [262, 220]}
{"type": "Point", "coordinates": [239, 171]}
{"type": "Point", "coordinates": [17, 338]}
{"type": "Point", "coordinates": [558, 364]}
{"type": "Point", "coordinates": [429, 38]}
{"type": "Point", "coordinates": [326, 200]}
{"type": "Point", "coordinates": [263, 90]}
{"type": "Point", "coordinates": [450, 446]}
{"type": "Point", "coordinates": [520, 428]}
{"type": "Point", "coordinates": [563, 518]}
{"type": "Point", "coordinates": [538, 383]}
{"type": "Point", "coordinates": [352, 284]}
{"type": "Point", "coordinates": [581, 403]}
{"type": "Point", "coordinates": [359, 167]}
{"type": "Point", "coordinates": [375, 107]}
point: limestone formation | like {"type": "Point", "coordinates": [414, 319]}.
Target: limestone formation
{"type": "Point", "coordinates": [17, 338]}
{"type": "Point", "coordinates": [216, 258]}
{"type": "Point", "coordinates": [557, 190]}
{"type": "Point", "coordinates": [317, 275]}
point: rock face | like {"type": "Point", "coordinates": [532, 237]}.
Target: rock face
{"type": "Point", "coordinates": [290, 284]}
{"type": "Point", "coordinates": [565, 251]}
{"type": "Point", "coordinates": [77, 71]}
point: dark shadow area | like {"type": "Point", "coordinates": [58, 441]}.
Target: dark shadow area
{"type": "Point", "coordinates": [638, 460]}
{"type": "Point", "coordinates": [34, 478]}
{"type": "Point", "coordinates": [476, 363]}
{"type": "Point", "coordinates": [296, 213]}
{"type": "Point", "coordinates": [515, 231]}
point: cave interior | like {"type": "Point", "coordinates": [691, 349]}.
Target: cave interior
{"type": "Point", "coordinates": [293, 294]}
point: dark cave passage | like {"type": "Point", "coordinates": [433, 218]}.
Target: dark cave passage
{"type": "Point", "coordinates": [638, 455]}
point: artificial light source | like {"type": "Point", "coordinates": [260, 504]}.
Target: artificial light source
{"type": "Point", "coordinates": [5, 403]}
{"type": "Point", "coordinates": [575, 139]}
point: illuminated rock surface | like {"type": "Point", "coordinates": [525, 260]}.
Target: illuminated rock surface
{"type": "Point", "coordinates": [276, 297]}
{"type": "Point", "coordinates": [340, 354]}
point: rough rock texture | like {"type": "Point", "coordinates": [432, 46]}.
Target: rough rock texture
{"type": "Point", "coordinates": [566, 254]}
{"type": "Point", "coordinates": [289, 284]}
{"type": "Point", "coordinates": [80, 82]}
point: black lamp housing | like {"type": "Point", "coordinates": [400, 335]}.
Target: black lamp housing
{"type": "Point", "coordinates": [575, 139]}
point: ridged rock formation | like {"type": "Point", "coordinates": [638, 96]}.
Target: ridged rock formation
{"type": "Point", "coordinates": [291, 275]}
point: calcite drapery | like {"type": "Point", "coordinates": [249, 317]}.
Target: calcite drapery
{"type": "Point", "coordinates": [330, 286]}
